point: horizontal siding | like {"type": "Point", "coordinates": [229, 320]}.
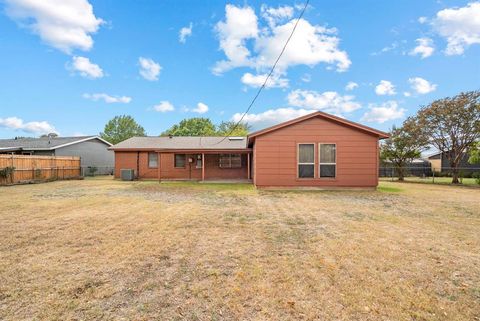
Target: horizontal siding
{"type": "Point", "coordinates": [276, 155]}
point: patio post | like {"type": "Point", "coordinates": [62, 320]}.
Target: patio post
{"type": "Point", "coordinates": [203, 167]}
{"type": "Point", "coordinates": [248, 165]}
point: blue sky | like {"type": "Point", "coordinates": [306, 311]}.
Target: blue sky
{"type": "Point", "coordinates": [70, 66]}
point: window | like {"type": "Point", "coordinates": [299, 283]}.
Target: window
{"type": "Point", "coordinates": [199, 161]}
{"type": "Point", "coordinates": [230, 161]}
{"type": "Point", "coordinates": [180, 160]}
{"type": "Point", "coordinates": [152, 160]}
{"type": "Point", "coordinates": [306, 160]}
{"type": "Point", "coordinates": [328, 160]}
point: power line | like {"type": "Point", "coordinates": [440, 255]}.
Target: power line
{"type": "Point", "coordinates": [269, 74]}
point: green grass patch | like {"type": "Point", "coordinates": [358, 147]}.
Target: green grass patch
{"type": "Point", "coordinates": [389, 189]}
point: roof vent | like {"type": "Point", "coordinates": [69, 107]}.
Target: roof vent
{"type": "Point", "coordinates": [170, 136]}
{"type": "Point", "coordinates": [236, 138]}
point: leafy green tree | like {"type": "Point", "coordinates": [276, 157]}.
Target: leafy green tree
{"type": "Point", "coordinates": [475, 154]}
{"type": "Point", "coordinates": [452, 125]}
{"type": "Point", "coordinates": [197, 126]}
{"type": "Point", "coordinates": [231, 128]}
{"type": "Point", "coordinates": [121, 128]}
{"type": "Point", "coordinates": [403, 146]}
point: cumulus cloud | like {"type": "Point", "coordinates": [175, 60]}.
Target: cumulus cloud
{"type": "Point", "coordinates": [258, 80]}
{"type": "Point", "coordinates": [200, 109]}
{"type": "Point", "coordinates": [385, 87]}
{"type": "Point", "coordinates": [164, 107]}
{"type": "Point", "coordinates": [459, 26]}
{"type": "Point", "coordinates": [422, 20]}
{"type": "Point", "coordinates": [184, 33]}
{"type": "Point", "coordinates": [329, 101]}
{"type": "Point", "coordinates": [85, 68]}
{"type": "Point", "coordinates": [422, 86]}
{"type": "Point", "coordinates": [311, 45]}
{"type": "Point", "coordinates": [424, 48]}
{"type": "Point", "coordinates": [271, 117]}
{"type": "Point", "coordinates": [34, 127]}
{"type": "Point", "coordinates": [149, 69]}
{"type": "Point", "coordinates": [351, 86]}
{"type": "Point", "coordinates": [107, 98]}
{"type": "Point", "coordinates": [65, 25]}
{"type": "Point", "coordinates": [383, 113]}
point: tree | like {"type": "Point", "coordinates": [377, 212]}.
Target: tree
{"type": "Point", "coordinates": [121, 128]}
{"type": "Point", "coordinates": [452, 125]}
{"type": "Point", "coordinates": [403, 146]}
{"type": "Point", "coordinates": [475, 154]}
{"type": "Point", "coordinates": [231, 128]}
{"type": "Point", "coordinates": [197, 126]}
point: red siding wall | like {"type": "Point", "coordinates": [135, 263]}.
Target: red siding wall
{"type": "Point", "coordinates": [275, 155]}
{"type": "Point", "coordinates": [128, 160]}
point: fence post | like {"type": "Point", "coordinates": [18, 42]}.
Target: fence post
{"type": "Point", "coordinates": [433, 177]}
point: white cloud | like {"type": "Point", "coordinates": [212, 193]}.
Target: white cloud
{"type": "Point", "coordinates": [35, 127]}
{"type": "Point", "coordinates": [201, 108]}
{"type": "Point", "coordinates": [276, 15]}
{"type": "Point", "coordinates": [385, 87]}
{"type": "Point", "coordinates": [184, 33]}
{"type": "Point", "coordinates": [85, 68]}
{"type": "Point", "coordinates": [383, 113]}
{"type": "Point", "coordinates": [164, 107]}
{"type": "Point", "coordinates": [459, 26]}
{"type": "Point", "coordinates": [312, 44]}
{"type": "Point", "coordinates": [424, 48]}
{"type": "Point", "coordinates": [329, 101]}
{"type": "Point", "coordinates": [306, 78]}
{"type": "Point", "coordinates": [240, 24]}
{"type": "Point", "coordinates": [422, 20]}
{"type": "Point", "coordinates": [351, 86]}
{"type": "Point", "coordinates": [258, 80]}
{"type": "Point", "coordinates": [107, 98]}
{"type": "Point", "coordinates": [149, 69]}
{"type": "Point", "coordinates": [407, 94]}
{"type": "Point", "coordinates": [65, 25]}
{"type": "Point", "coordinates": [421, 85]}
{"type": "Point", "coordinates": [271, 117]}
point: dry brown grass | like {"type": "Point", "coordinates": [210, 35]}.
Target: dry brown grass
{"type": "Point", "coordinates": [110, 250]}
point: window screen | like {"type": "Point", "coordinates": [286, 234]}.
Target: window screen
{"type": "Point", "coordinates": [180, 160]}
{"type": "Point", "coordinates": [230, 161]}
{"type": "Point", "coordinates": [306, 160]}
{"type": "Point", "coordinates": [328, 160]}
{"type": "Point", "coordinates": [152, 160]}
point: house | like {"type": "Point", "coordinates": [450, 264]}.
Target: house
{"type": "Point", "coordinates": [316, 150]}
{"type": "Point", "coordinates": [92, 150]}
{"type": "Point", "coordinates": [441, 164]}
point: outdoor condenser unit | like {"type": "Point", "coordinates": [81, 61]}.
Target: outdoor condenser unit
{"type": "Point", "coordinates": [127, 174]}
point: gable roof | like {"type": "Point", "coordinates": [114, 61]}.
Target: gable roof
{"type": "Point", "coordinates": [333, 118]}
{"type": "Point", "coordinates": [182, 143]}
{"type": "Point", "coordinates": [44, 143]}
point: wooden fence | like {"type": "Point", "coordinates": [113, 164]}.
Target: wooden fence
{"type": "Point", "coordinates": [31, 168]}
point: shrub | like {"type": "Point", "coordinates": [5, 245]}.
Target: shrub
{"type": "Point", "coordinates": [476, 175]}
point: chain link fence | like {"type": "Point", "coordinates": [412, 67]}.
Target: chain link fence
{"type": "Point", "coordinates": [423, 173]}
{"type": "Point", "coordinates": [91, 171]}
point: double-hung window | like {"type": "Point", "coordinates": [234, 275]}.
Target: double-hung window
{"type": "Point", "coordinates": [327, 160]}
{"type": "Point", "coordinates": [152, 160]}
{"type": "Point", "coordinates": [230, 161]}
{"type": "Point", "coordinates": [180, 160]}
{"type": "Point", "coordinates": [306, 160]}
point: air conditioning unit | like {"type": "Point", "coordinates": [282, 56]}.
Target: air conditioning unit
{"type": "Point", "coordinates": [127, 174]}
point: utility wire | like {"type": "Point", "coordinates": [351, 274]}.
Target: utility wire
{"type": "Point", "coordinates": [269, 74]}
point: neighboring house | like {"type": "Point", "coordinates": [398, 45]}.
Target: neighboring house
{"type": "Point", "coordinates": [440, 164]}
{"type": "Point", "coordinates": [316, 150]}
{"type": "Point", "coordinates": [417, 167]}
{"type": "Point", "coordinates": [92, 150]}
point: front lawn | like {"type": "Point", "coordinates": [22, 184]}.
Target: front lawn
{"type": "Point", "coordinates": [110, 250]}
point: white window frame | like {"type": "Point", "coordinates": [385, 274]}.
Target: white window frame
{"type": "Point", "coordinates": [156, 155]}
{"type": "Point", "coordinates": [298, 161]}
{"type": "Point", "coordinates": [320, 161]}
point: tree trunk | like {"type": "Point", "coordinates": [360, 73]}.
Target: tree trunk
{"type": "Point", "coordinates": [401, 173]}
{"type": "Point", "coordinates": [454, 166]}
